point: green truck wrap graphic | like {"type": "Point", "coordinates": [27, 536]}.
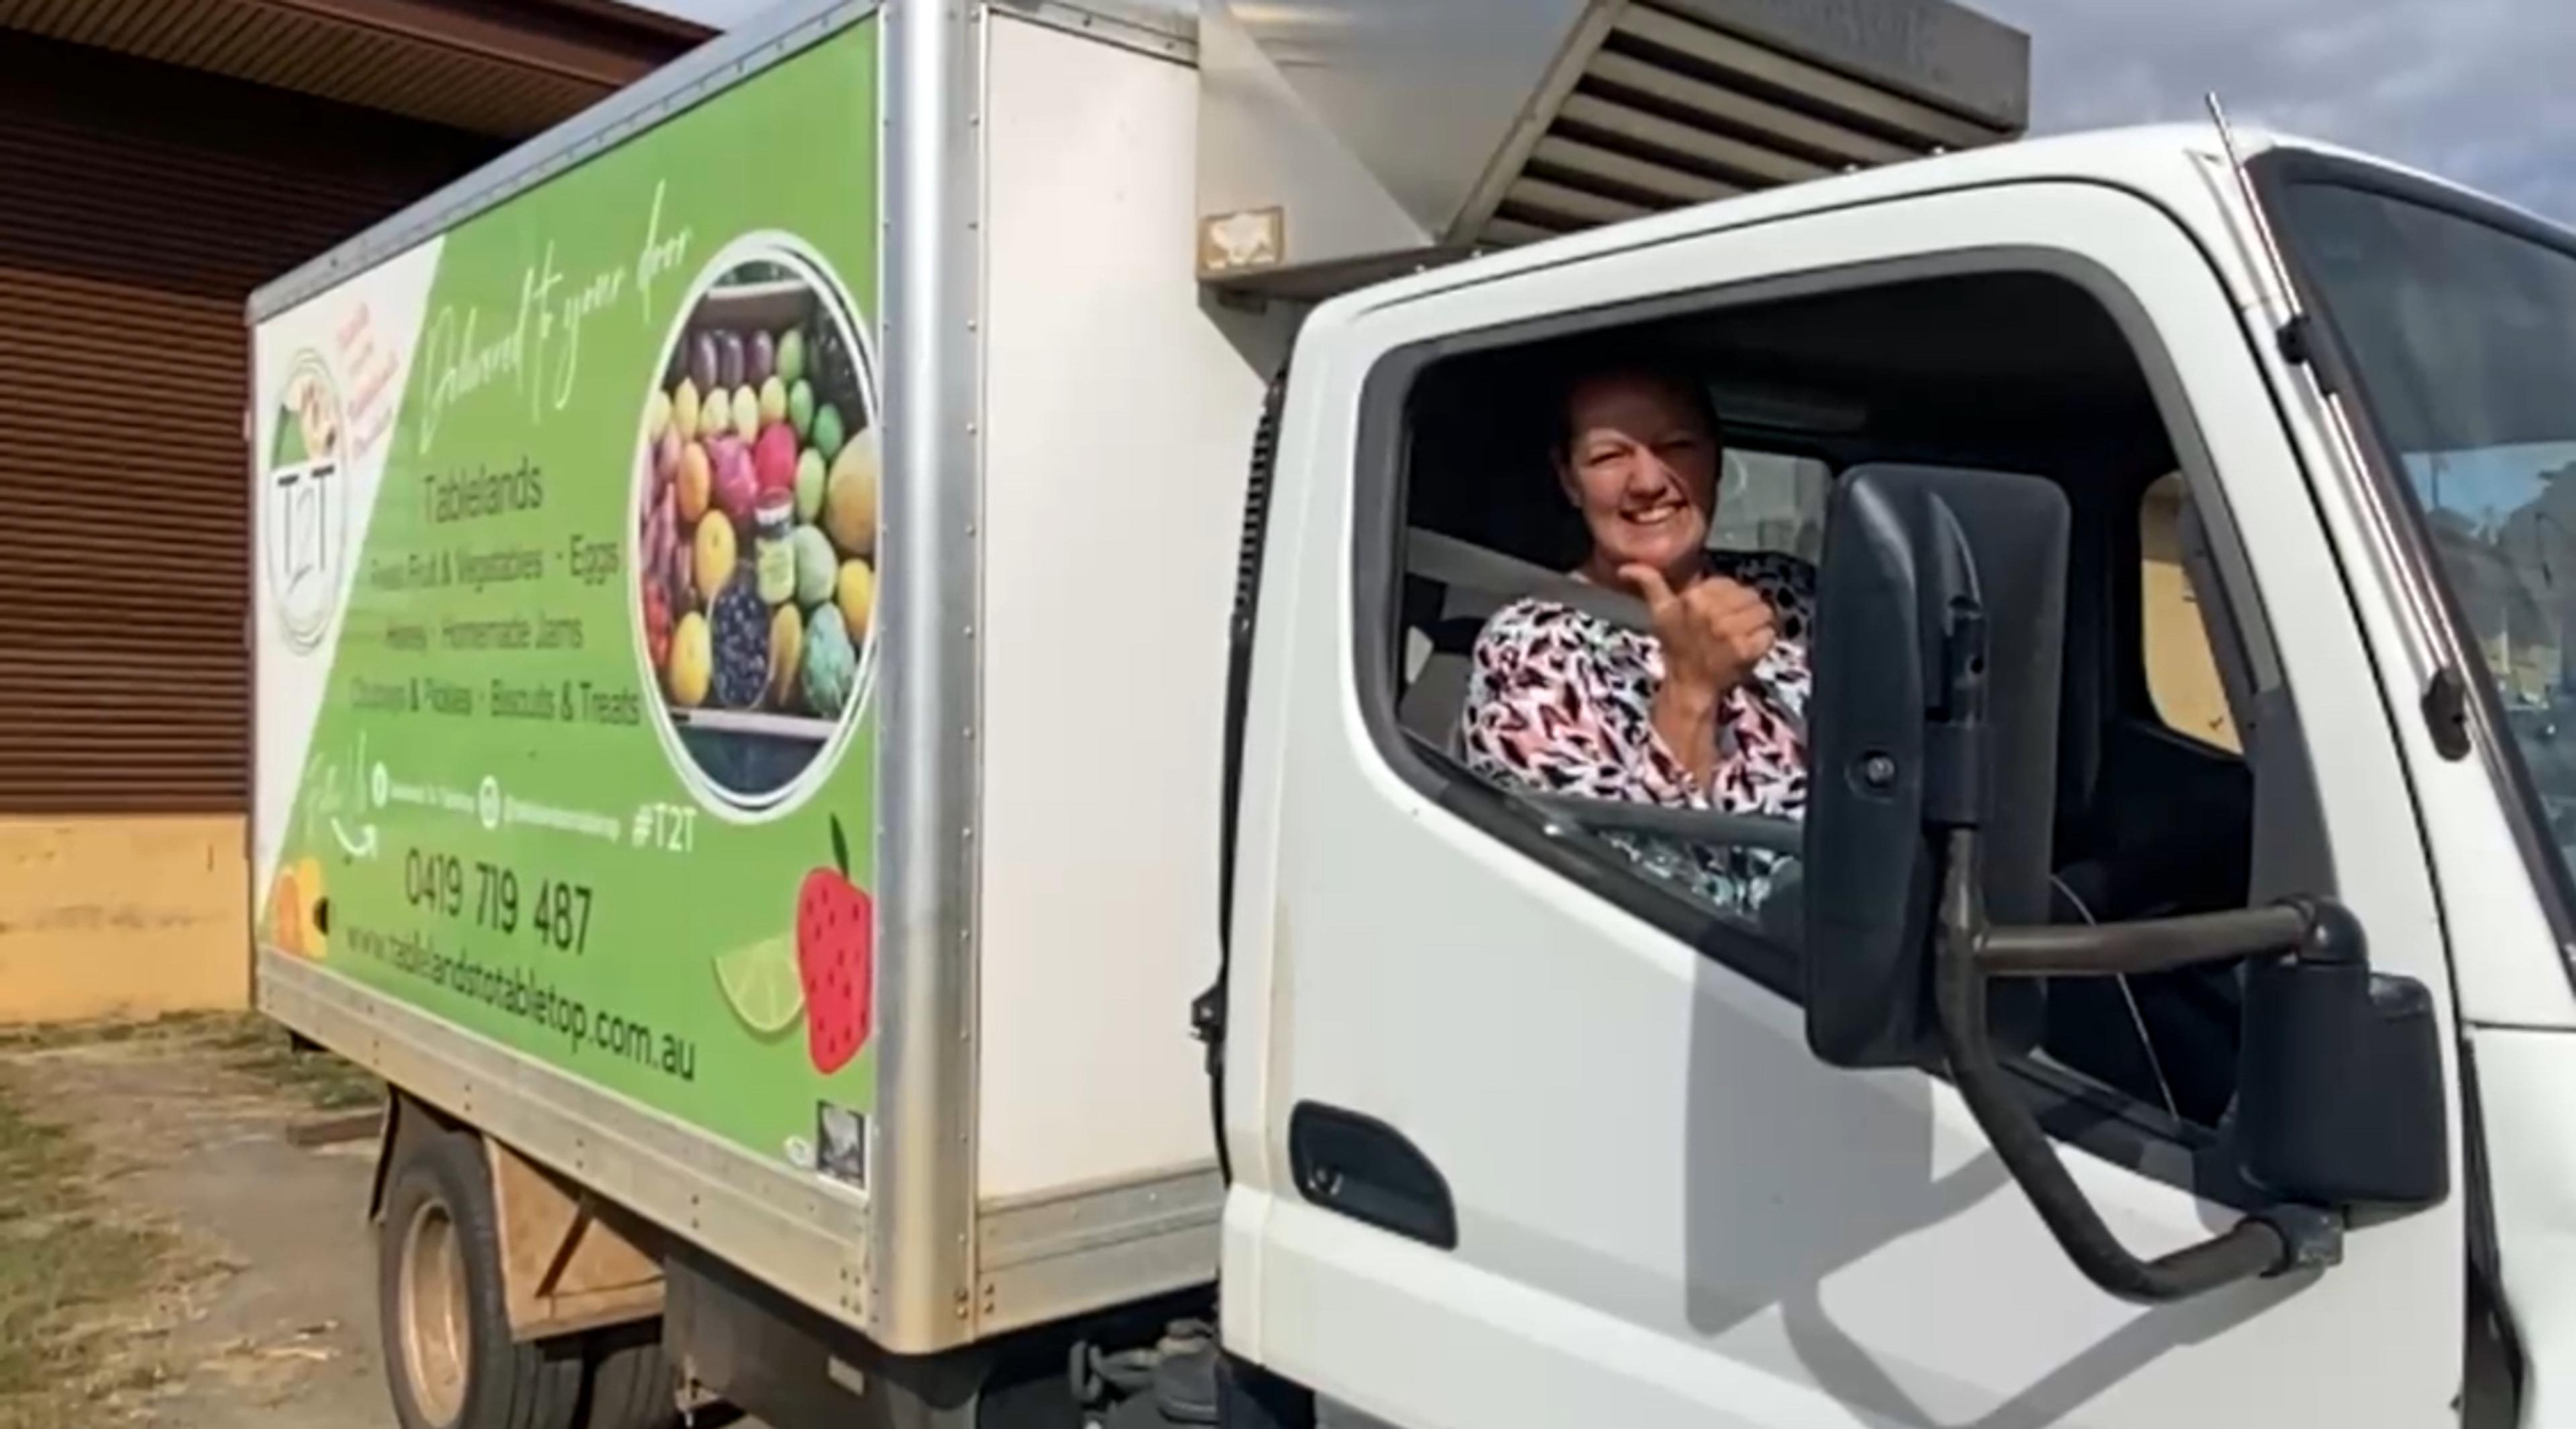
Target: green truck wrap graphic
{"type": "Point", "coordinates": [567, 526]}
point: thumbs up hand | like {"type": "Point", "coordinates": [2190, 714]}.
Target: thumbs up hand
{"type": "Point", "coordinates": [1713, 634]}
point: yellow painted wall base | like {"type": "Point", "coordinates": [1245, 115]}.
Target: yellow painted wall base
{"type": "Point", "coordinates": [107, 917]}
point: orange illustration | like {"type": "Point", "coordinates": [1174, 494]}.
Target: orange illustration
{"type": "Point", "coordinates": [296, 920]}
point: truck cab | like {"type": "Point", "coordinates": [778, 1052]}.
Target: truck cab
{"type": "Point", "coordinates": [1523, 1129]}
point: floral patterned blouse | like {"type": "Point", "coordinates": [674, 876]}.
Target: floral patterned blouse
{"type": "Point", "coordinates": [1561, 702]}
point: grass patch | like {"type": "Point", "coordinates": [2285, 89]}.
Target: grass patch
{"type": "Point", "coordinates": [246, 1041]}
{"type": "Point", "coordinates": [267, 1051]}
{"type": "Point", "coordinates": [64, 1270]}
{"type": "Point", "coordinates": [46, 1036]}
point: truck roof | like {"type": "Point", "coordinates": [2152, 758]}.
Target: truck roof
{"type": "Point", "coordinates": [2172, 163]}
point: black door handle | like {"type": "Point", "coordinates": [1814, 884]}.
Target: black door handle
{"type": "Point", "coordinates": [1367, 1170]}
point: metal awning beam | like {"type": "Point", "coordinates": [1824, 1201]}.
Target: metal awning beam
{"type": "Point", "coordinates": [609, 46]}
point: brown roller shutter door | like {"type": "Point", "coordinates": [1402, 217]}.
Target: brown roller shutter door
{"type": "Point", "coordinates": [139, 205]}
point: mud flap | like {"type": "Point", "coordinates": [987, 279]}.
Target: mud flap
{"type": "Point", "coordinates": [385, 1135]}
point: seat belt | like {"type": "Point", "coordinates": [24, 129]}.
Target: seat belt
{"type": "Point", "coordinates": [1451, 561]}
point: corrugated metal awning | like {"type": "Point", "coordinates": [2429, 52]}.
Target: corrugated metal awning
{"type": "Point", "coordinates": [1340, 140]}
{"type": "Point", "coordinates": [165, 195]}
{"type": "Point", "coordinates": [484, 66]}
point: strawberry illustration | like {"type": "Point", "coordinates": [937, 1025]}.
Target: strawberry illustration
{"type": "Point", "coordinates": [836, 960]}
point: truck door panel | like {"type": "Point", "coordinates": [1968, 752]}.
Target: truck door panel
{"type": "Point", "coordinates": [1665, 1210]}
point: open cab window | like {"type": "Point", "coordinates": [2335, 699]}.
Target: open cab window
{"type": "Point", "coordinates": [2007, 371]}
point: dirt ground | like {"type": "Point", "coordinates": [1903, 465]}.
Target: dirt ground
{"type": "Point", "coordinates": [169, 1255]}
{"type": "Point", "coordinates": [183, 1232]}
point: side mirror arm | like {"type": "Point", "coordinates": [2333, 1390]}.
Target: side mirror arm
{"type": "Point", "coordinates": [2271, 1241]}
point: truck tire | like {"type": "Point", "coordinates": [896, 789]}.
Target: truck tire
{"type": "Point", "coordinates": [449, 1358]}
{"type": "Point", "coordinates": [632, 1384]}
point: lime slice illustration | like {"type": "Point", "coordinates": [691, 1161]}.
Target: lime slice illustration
{"type": "Point", "coordinates": [761, 985]}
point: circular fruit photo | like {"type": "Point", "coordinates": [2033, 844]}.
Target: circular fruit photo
{"type": "Point", "coordinates": [756, 528]}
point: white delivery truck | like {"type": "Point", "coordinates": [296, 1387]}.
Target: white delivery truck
{"type": "Point", "coordinates": [777, 699]}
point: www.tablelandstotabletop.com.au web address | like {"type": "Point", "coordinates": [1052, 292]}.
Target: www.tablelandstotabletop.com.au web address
{"type": "Point", "coordinates": [525, 995]}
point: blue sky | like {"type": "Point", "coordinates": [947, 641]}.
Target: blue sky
{"type": "Point", "coordinates": [2487, 486]}
{"type": "Point", "coordinates": [2479, 91]}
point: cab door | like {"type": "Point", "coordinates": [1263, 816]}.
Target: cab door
{"type": "Point", "coordinates": [1523, 1136]}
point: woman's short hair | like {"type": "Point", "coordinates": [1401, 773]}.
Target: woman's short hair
{"type": "Point", "coordinates": [1591, 365]}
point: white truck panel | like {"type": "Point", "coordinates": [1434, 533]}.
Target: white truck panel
{"type": "Point", "coordinates": [2526, 1082]}
{"type": "Point", "coordinates": [1118, 418]}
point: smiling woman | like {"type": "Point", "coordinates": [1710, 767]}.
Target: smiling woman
{"type": "Point", "coordinates": [1705, 712]}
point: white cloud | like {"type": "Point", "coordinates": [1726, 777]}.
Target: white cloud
{"type": "Point", "coordinates": [2474, 90]}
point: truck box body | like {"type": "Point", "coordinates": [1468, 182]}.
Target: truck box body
{"type": "Point", "coordinates": [741, 635]}
{"type": "Point", "coordinates": [458, 712]}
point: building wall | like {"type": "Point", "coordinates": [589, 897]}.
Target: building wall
{"type": "Point", "coordinates": [146, 202]}
{"type": "Point", "coordinates": [121, 915]}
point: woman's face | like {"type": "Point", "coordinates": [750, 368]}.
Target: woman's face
{"type": "Point", "coordinates": [1642, 465]}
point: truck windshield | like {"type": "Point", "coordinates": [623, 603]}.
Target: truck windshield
{"type": "Point", "coordinates": [2464, 337]}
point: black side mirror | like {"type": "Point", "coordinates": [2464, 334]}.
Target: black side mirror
{"type": "Point", "coordinates": [1932, 748]}
{"type": "Point", "coordinates": [2339, 1082]}
{"type": "Point", "coordinates": [1940, 636]}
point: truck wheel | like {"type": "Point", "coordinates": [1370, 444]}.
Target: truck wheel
{"type": "Point", "coordinates": [449, 1357]}
{"type": "Point", "coordinates": [632, 1384]}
